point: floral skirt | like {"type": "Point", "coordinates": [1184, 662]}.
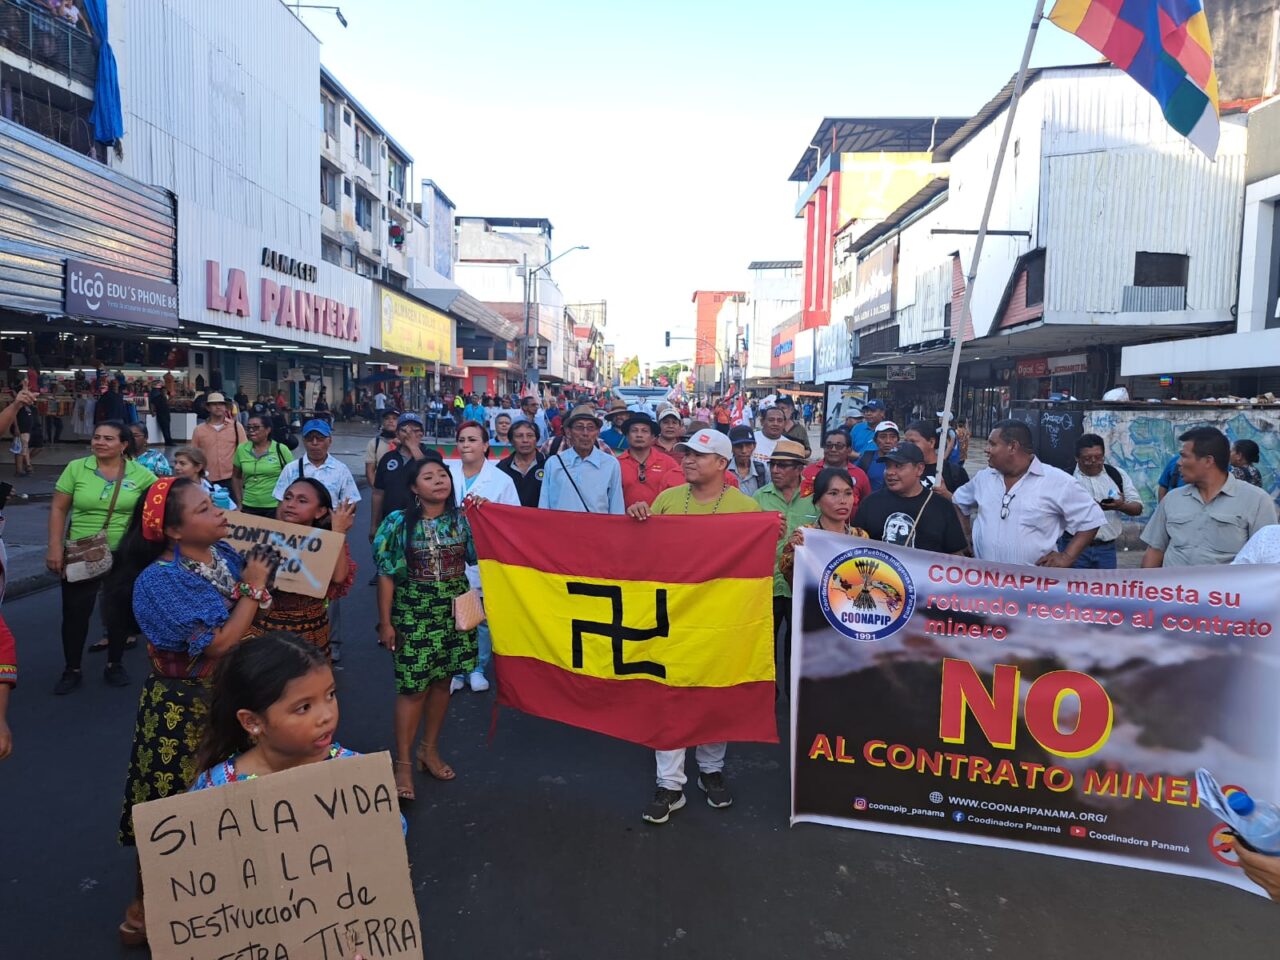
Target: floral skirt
{"type": "Point", "coordinates": [171, 718]}
{"type": "Point", "coordinates": [429, 647]}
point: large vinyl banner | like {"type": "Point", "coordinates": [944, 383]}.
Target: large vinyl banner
{"type": "Point", "coordinates": [1055, 711]}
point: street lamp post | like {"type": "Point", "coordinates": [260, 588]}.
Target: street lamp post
{"type": "Point", "coordinates": [531, 376]}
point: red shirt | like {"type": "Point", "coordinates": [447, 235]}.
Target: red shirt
{"type": "Point", "coordinates": [861, 482]}
{"type": "Point", "coordinates": [660, 472]}
{"type": "Point", "coordinates": [8, 656]}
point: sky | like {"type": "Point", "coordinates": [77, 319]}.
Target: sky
{"type": "Point", "coordinates": [660, 135]}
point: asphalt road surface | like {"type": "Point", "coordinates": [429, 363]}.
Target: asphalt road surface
{"type": "Point", "coordinates": [537, 850]}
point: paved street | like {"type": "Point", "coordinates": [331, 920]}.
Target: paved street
{"type": "Point", "coordinates": [538, 850]}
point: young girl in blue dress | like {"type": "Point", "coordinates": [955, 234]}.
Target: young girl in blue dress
{"type": "Point", "coordinates": [274, 707]}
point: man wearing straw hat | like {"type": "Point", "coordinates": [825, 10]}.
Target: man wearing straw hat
{"type": "Point", "coordinates": [581, 477]}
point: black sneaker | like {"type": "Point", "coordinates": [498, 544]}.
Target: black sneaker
{"type": "Point", "coordinates": [713, 785]}
{"type": "Point", "coordinates": [69, 680]}
{"type": "Point", "coordinates": [116, 675]}
{"type": "Point", "coordinates": [664, 802]}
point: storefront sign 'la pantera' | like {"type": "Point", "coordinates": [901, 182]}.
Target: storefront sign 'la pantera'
{"type": "Point", "coordinates": [281, 305]}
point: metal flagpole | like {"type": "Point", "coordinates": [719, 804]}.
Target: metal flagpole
{"type": "Point", "coordinates": [957, 326]}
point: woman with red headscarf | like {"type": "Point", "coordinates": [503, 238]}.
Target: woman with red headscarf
{"type": "Point", "coordinates": [194, 599]}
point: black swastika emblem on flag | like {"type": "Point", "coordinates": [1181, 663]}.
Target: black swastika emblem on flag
{"type": "Point", "coordinates": [616, 631]}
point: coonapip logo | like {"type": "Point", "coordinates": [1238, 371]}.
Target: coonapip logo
{"type": "Point", "coordinates": [867, 594]}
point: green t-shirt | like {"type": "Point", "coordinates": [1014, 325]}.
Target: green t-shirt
{"type": "Point", "coordinates": [91, 497]}
{"type": "Point", "coordinates": [799, 511]}
{"type": "Point", "coordinates": [671, 502]}
{"type": "Point", "coordinates": [261, 473]}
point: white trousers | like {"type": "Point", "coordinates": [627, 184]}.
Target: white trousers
{"type": "Point", "coordinates": [710, 757]}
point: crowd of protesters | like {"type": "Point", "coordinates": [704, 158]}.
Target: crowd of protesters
{"type": "Point", "coordinates": [206, 613]}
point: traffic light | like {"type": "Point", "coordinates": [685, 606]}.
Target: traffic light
{"type": "Point", "coordinates": [668, 338]}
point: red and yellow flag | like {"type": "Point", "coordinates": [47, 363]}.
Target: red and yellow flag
{"type": "Point", "coordinates": [657, 632]}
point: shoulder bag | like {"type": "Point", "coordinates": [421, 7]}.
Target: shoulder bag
{"type": "Point", "coordinates": [565, 467]}
{"type": "Point", "coordinates": [88, 557]}
{"type": "Point", "coordinates": [468, 610]}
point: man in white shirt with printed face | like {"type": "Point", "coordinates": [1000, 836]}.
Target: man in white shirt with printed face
{"type": "Point", "coordinates": [1023, 506]}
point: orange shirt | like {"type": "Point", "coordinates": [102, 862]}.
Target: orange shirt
{"type": "Point", "coordinates": [659, 471]}
{"type": "Point", "coordinates": [861, 482]}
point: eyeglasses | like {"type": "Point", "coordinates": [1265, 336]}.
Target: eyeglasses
{"type": "Point", "coordinates": [253, 426]}
{"type": "Point", "coordinates": [1005, 502]}
{"type": "Point", "coordinates": [835, 446]}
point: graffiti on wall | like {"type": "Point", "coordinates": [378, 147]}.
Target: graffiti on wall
{"type": "Point", "coordinates": [1141, 443]}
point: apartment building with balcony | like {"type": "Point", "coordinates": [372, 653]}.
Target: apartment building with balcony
{"type": "Point", "coordinates": [367, 222]}
{"type": "Point", "coordinates": [48, 67]}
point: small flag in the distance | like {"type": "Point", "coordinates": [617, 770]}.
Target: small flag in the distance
{"type": "Point", "coordinates": [1162, 44]}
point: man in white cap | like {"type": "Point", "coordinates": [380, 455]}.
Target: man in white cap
{"type": "Point", "coordinates": [670, 428]}
{"type": "Point", "coordinates": [582, 478]}
{"type": "Point", "coordinates": [707, 454]}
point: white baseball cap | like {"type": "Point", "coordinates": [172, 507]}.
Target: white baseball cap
{"type": "Point", "coordinates": [888, 425]}
{"type": "Point", "coordinates": [708, 441]}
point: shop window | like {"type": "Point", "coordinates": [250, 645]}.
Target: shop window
{"type": "Point", "coordinates": [1160, 269]}
{"type": "Point", "coordinates": [330, 251]}
{"type": "Point", "coordinates": [328, 187]}
{"type": "Point", "coordinates": [364, 212]}
{"type": "Point", "coordinates": [1035, 278]}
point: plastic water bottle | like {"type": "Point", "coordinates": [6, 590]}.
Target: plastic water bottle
{"type": "Point", "coordinates": [1260, 822]}
{"type": "Point", "coordinates": [221, 499]}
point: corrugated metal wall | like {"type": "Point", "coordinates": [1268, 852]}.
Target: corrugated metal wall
{"type": "Point", "coordinates": [55, 202]}
{"type": "Point", "coordinates": [1099, 209]}
{"type": "Point", "coordinates": [222, 104]}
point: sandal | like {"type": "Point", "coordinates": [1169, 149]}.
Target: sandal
{"type": "Point", "coordinates": [403, 792]}
{"type": "Point", "coordinates": [442, 770]}
{"type": "Point", "coordinates": [133, 931]}
{"type": "Point", "coordinates": [99, 646]}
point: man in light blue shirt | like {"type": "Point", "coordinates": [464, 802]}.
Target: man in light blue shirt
{"type": "Point", "coordinates": [317, 437]}
{"type": "Point", "coordinates": [532, 411]}
{"type": "Point", "coordinates": [864, 434]}
{"type": "Point", "coordinates": [582, 478]}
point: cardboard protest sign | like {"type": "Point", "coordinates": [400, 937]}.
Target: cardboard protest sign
{"type": "Point", "coordinates": [1056, 711]}
{"type": "Point", "coordinates": [310, 553]}
{"type": "Point", "coordinates": [308, 863]}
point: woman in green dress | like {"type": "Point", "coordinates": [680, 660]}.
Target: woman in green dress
{"type": "Point", "coordinates": [421, 554]}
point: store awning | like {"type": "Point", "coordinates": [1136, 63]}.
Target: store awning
{"type": "Point", "coordinates": [1045, 337]}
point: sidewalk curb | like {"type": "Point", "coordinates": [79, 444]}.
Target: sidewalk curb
{"type": "Point", "coordinates": [33, 583]}
{"type": "Point", "coordinates": [24, 586]}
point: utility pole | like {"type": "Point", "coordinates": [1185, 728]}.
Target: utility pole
{"type": "Point", "coordinates": [530, 340]}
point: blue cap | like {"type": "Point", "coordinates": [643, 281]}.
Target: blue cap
{"type": "Point", "coordinates": [410, 418]}
{"type": "Point", "coordinates": [317, 426]}
{"type": "Point", "coordinates": [873, 405]}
